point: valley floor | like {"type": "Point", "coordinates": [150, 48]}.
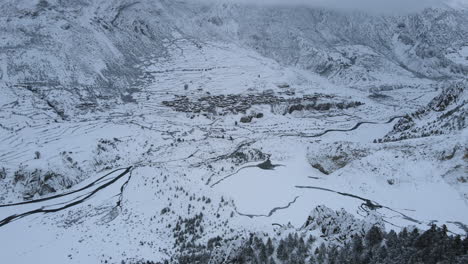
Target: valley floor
{"type": "Point", "coordinates": [125, 177]}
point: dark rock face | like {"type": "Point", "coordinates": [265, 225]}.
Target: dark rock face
{"type": "Point", "coordinates": [320, 168]}
{"type": "Point", "coordinates": [267, 165]}
{"type": "Point", "coordinates": [246, 119]}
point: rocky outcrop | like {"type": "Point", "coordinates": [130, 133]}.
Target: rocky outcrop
{"type": "Point", "coordinates": [340, 225]}
{"type": "Point", "coordinates": [445, 114]}
{"type": "Point", "coordinates": [246, 155]}
{"type": "Point", "coordinates": [336, 156]}
{"type": "Point", "coordinates": [39, 182]}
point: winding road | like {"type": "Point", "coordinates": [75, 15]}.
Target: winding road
{"type": "Point", "coordinates": [80, 198]}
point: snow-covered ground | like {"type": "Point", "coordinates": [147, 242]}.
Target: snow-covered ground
{"type": "Point", "coordinates": [124, 175]}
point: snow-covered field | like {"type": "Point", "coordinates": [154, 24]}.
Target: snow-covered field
{"type": "Point", "coordinates": [113, 183]}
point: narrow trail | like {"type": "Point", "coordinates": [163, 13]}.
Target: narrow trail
{"type": "Point", "coordinates": [75, 201]}
{"type": "Point", "coordinates": [341, 130]}
{"type": "Point", "coordinates": [266, 165]}
{"type": "Point", "coordinates": [229, 175]}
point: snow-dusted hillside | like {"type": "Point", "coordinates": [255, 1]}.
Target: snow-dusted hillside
{"type": "Point", "coordinates": [177, 131]}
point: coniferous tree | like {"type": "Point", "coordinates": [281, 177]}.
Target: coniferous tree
{"type": "Point", "coordinates": [374, 236]}
{"type": "Point", "coordinates": [281, 252]}
{"type": "Point", "coordinates": [321, 253]}
{"type": "Point", "coordinates": [433, 246]}
{"type": "Point", "coordinates": [262, 256]}
{"type": "Point", "coordinates": [272, 261]}
{"type": "Point", "coordinates": [269, 247]}
{"type": "Point", "coordinates": [312, 260]}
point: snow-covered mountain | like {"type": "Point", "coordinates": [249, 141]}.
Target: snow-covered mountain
{"type": "Point", "coordinates": [188, 131]}
{"type": "Point", "coordinates": [100, 46]}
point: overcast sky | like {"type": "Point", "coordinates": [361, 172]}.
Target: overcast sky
{"type": "Point", "coordinates": [391, 6]}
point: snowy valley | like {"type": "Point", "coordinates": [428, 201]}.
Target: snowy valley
{"type": "Point", "coordinates": [160, 131]}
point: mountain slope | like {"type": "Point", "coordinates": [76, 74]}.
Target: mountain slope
{"type": "Point", "coordinates": [192, 131]}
